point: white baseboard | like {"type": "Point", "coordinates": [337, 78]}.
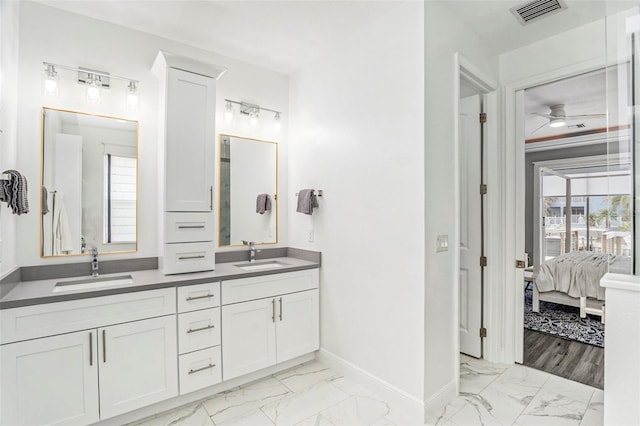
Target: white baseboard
{"type": "Point", "coordinates": [436, 402]}
{"type": "Point", "coordinates": [411, 407]}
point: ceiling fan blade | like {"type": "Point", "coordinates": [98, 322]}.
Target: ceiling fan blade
{"type": "Point", "coordinates": [542, 115]}
{"type": "Point", "coordinates": [539, 128]}
{"type": "Point", "coordinates": [571, 117]}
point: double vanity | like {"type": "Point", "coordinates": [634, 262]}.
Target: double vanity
{"type": "Point", "coordinates": [82, 350]}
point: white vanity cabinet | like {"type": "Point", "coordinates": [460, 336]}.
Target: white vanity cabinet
{"type": "Point", "coordinates": [52, 380]}
{"type": "Point", "coordinates": [187, 131]}
{"type": "Point", "coordinates": [86, 360]}
{"type": "Point", "coordinates": [269, 319]}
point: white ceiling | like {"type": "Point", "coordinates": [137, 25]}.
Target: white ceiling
{"type": "Point", "coordinates": [284, 35]}
{"type": "Point", "coordinates": [274, 34]}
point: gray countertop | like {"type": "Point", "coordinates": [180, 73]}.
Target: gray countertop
{"type": "Point", "coordinates": [28, 293]}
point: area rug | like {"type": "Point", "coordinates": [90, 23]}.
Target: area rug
{"type": "Point", "coordinates": [563, 321]}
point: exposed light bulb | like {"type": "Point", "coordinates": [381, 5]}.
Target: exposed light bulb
{"type": "Point", "coordinates": [228, 112]}
{"type": "Point", "coordinates": [50, 81]}
{"type": "Point", "coordinates": [276, 123]}
{"type": "Point", "coordinates": [253, 118]}
{"type": "Point", "coordinates": [93, 89]}
{"type": "Point", "coordinates": [132, 95]}
{"type": "Point", "coordinates": [557, 122]}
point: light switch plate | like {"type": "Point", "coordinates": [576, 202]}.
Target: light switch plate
{"type": "Point", "coordinates": [442, 243]}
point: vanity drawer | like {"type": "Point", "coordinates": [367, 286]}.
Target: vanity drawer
{"type": "Point", "coordinates": [198, 330]}
{"type": "Point", "coordinates": [180, 258]}
{"type": "Point", "coordinates": [200, 369]}
{"type": "Point", "coordinates": [243, 289]}
{"type": "Point", "coordinates": [198, 296]}
{"type": "Point", "coordinates": [188, 227]}
{"type": "Point", "coordinates": [48, 319]}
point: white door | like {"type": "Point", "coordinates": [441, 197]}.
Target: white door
{"type": "Point", "coordinates": [249, 337]}
{"type": "Point", "coordinates": [470, 275]}
{"type": "Point", "coordinates": [138, 364]}
{"type": "Point", "coordinates": [297, 327]}
{"type": "Point", "coordinates": [190, 142]}
{"type": "Point", "coordinates": [53, 380]}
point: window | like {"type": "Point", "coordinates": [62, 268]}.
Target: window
{"type": "Point", "coordinates": [120, 199]}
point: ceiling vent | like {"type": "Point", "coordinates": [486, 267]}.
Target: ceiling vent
{"type": "Point", "coordinates": [538, 9]}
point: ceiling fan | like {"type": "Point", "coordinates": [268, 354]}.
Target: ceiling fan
{"type": "Point", "coordinates": [558, 117]}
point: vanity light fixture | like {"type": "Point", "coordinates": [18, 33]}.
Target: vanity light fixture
{"type": "Point", "coordinates": [94, 85]}
{"type": "Point", "coordinates": [95, 81]}
{"type": "Point", "coordinates": [253, 111]}
{"type": "Point", "coordinates": [276, 122]}
{"type": "Point", "coordinates": [132, 94]}
{"type": "Point", "coordinates": [253, 117]}
{"type": "Point", "coordinates": [50, 81]}
{"type": "Point", "coordinates": [228, 112]}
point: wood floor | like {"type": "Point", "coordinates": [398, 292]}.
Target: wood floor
{"type": "Point", "coordinates": [566, 358]}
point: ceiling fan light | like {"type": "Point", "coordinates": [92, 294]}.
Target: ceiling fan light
{"type": "Point", "coordinates": [557, 122]}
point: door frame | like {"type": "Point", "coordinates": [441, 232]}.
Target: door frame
{"type": "Point", "coordinates": [488, 88]}
{"type": "Point", "coordinates": [509, 317]}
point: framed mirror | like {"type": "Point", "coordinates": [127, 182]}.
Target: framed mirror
{"type": "Point", "coordinates": [248, 191]}
{"type": "Point", "coordinates": [89, 171]}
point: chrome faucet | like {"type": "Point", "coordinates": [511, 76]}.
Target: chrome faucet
{"type": "Point", "coordinates": [94, 262]}
{"type": "Point", "coordinates": [252, 250]}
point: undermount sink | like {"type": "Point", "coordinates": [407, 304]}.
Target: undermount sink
{"type": "Point", "coordinates": [260, 266]}
{"type": "Point", "coordinates": [92, 283]}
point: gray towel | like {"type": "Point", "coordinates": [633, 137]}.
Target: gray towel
{"type": "Point", "coordinates": [45, 201]}
{"type": "Point", "coordinates": [307, 201]}
{"type": "Point", "coordinates": [15, 192]}
{"type": "Point", "coordinates": [263, 203]}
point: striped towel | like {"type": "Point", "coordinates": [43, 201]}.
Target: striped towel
{"type": "Point", "coordinates": [15, 192]}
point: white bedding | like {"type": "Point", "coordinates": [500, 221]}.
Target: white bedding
{"type": "Point", "coordinates": [576, 274]}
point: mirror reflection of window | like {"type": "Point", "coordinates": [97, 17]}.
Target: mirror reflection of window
{"type": "Point", "coordinates": [120, 196]}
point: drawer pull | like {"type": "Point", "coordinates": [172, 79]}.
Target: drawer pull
{"type": "Point", "coordinates": [201, 369]}
{"type": "Point", "coordinates": [193, 330]}
{"type": "Point", "coordinates": [273, 310]}
{"type": "Point", "coordinates": [90, 349]}
{"type": "Point", "coordinates": [281, 309]}
{"type": "Point", "coordinates": [191, 257]}
{"type": "Point", "coordinates": [206, 296]}
{"type": "Point", "coordinates": [190, 226]}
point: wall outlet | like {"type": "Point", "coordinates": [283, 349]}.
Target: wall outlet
{"type": "Point", "coordinates": [310, 235]}
{"type": "Point", "coordinates": [442, 243]}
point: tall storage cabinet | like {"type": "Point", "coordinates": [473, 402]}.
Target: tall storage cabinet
{"type": "Point", "coordinates": [187, 129]}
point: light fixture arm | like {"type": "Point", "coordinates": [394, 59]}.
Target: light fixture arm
{"type": "Point", "coordinates": [98, 73]}
{"type": "Point", "coordinates": [252, 106]}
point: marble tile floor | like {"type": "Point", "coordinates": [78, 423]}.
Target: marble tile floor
{"type": "Point", "coordinates": [313, 394]}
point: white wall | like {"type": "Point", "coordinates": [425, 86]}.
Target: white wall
{"type": "Point", "coordinates": [357, 133]}
{"type": "Point", "coordinates": [9, 37]}
{"type": "Point", "coordinates": [444, 35]}
{"type": "Point", "coordinates": [48, 34]}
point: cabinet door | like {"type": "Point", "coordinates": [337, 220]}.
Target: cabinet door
{"type": "Point", "coordinates": [249, 337]}
{"type": "Point", "coordinates": [137, 364]}
{"type": "Point", "coordinates": [52, 380]}
{"type": "Point", "coordinates": [190, 142]}
{"type": "Point", "coordinates": [298, 330]}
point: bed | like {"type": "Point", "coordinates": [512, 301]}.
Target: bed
{"type": "Point", "coordinates": [573, 279]}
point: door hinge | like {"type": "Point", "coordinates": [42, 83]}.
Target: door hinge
{"type": "Point", "coordinates": [483, 332]}
{"type": "Point", "coordinates": [483, 117]}
{"type": "Point", "coordinates": [521, 264]}
{"type": "Point", "coordinates": [483, 261]}
{"type": "Point", "coordinates": [483, 189]}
